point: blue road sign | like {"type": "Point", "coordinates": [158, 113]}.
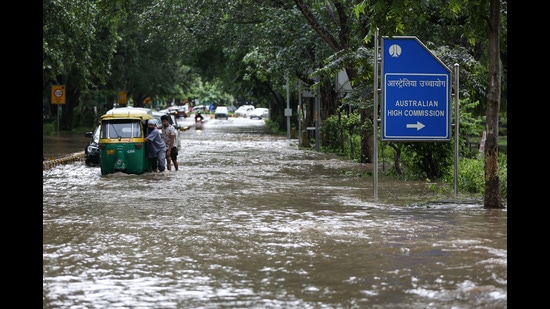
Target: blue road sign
{"type": "Point", "coordinates": [416, 92]}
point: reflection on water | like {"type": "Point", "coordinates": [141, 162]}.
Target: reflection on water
{"type": "Point", "coordinates": [62, 144]}
{"type": "Point", "coordinates": [253, 222]}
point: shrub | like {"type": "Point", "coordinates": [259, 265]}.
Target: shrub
{"type": "Point", "coordinates": [342, 135]}
{"type": "Point", "coordinates": [471, 175]}
{"type": "Point", "coordinates": [49, 128]}
{"type": "Point", "coordinates": [272, 126]}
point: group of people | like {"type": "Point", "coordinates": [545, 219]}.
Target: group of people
{"type": "Point", "coordinates": [163, 150]}
{"type": "Point", "coordinates": [162, 146]}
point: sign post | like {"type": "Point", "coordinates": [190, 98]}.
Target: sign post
{"type": "Point", "coordinates": [416, 92]}
{"type": "Point", "coordinates": [122, 98]}
{"type": "Point", "coordinates": [58, 94]}
{"type": "Point", "coordinates": [58, 97]}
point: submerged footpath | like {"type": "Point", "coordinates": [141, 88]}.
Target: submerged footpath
{"type": "Point", "coordinates": [70, 158]}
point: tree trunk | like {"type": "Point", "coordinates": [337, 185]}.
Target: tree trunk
{"type": "Point", "coordinates": [367, 142]}
{"type": "Point", "coordinates": [341, 133]}
{"type": "Point", "coordinates": [67, 110]}
{"type": "Point", "coordinates": [397, 158]}
{"type": "Point", "coordinates": [492, 197]}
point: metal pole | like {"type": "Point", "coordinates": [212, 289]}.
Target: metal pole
{"type": "Point", "coordinates": [456, 127]}
{"type": "Point", "coordinates": [300, 117]}
{"type": "Point", "coordinates": [318, 119]}
{"type": "Point", "coordinates": [58, 115]}
{"type": "Point", "coordinates": [287, 107]}
{"type": "Point", "coordinates": [375, 118]}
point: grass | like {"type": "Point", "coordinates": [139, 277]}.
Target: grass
{"type": "Point", "coordinates": [502, 140]}
{"type": "Point", "coordinates": [50, 129]}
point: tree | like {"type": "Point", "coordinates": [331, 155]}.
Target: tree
{"type": "Point", "coordinates": [482, 28]}
{"type": "Point", "coordinates": [78, 39]}
{"type": "Point", "coordinates": [479, 24]}
{"type": "Point", "coordinates": [492, 197]}
{"type": "Point", "coordinates": [342, 34]}
{"type": "Point", "coordinates": [248, 48]}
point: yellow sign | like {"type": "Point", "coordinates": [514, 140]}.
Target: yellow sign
{"type": "Point", "coordinates": [122, 97]}
{"type": "Point", "coordinates": [58, 94]}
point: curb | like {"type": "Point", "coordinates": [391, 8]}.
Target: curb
{"type": "Point", "coordinates": [48, 164]}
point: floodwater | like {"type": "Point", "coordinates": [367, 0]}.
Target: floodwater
{"type": "Point", "coordinates": [58, 145]}
{"type": "Point", "coordinates": [251, 221]}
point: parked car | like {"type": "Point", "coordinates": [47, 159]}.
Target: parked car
{"type": "Point", "coordinates": [173, 121]}
{"type": "Point", "coordinates": [221, 113]}
{"type": "Point", "coordinates": [173, 118]}
{"type": "Point", "coordinates": [182, 112]}
{"type": "Point", "coordinates": [259, 113]}
{"type": "Point", "coordinates": [91, 151]}
{"type": "Point", "coordinates": [179, 111]}
{"type": "Point", "coordinates": [231, 108]}
{"type": "Point", "coordinates": [243, 110]}
{"type": "Point", "coordinates": [200, 108]}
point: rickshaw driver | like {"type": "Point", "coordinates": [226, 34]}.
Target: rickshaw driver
{"type": "Point", "coordinates": [156, 147]}
{"type": "Point", "coordinates": [169, 136]}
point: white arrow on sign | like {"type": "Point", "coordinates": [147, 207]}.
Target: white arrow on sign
{"type": "Point", "coordinates": [418, 125]}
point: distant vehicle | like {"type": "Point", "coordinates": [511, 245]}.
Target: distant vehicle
{"type": "Point", "coordinates": [179, 111]}
{"type": "Point", "coordinates": [221, 113]}
{"type": "Point", "coordinates": [243, 110]}
{"type": "Point", "coordinates": [198, 124]}
{"type": "Point", "coordinates": [182, 112]}
{"type": "Point", "coordinates": [173, 119]}
{"type": "Point", "coordinates": [231, 108]}
{"type": "Point", "coordinates": [91, 151]}
{"type": "Point", "coordinates": [200, 108]}
{"type": "Point", "coordinates": [259, 113]}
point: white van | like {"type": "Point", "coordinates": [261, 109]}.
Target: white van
{"type": "Point", "coordinates": [221, 113]}
{"type": "Point", "coordinates": [244, 111]}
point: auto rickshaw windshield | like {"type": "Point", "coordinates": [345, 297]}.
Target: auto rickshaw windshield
{"type": "Point", "coordinates": [121, 128]}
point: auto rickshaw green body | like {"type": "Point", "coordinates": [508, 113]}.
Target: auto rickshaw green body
{"type": "Point", "coordinates": [122, 146]}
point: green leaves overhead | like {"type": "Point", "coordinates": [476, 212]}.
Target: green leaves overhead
{"type": "Point", "coordinates": [166, 48]}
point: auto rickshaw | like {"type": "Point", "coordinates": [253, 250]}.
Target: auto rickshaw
{"type": "Point", "coordinates": [122, 146]}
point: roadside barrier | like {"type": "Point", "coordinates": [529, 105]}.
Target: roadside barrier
{"type": "Point", "coordinates": [77, 156]}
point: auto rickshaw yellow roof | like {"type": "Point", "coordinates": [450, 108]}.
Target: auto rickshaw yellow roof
{"type": "Point", "coordinates": [129, 112]}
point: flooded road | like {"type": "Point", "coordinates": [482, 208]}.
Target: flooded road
{"type": "Point", "coordinates": [251, 221]}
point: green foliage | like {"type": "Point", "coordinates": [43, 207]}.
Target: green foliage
{"type": "Point", "coordinates": [342, 134]}
{"type": "Point", "coordinates": [49, 128]}
{"type": "Point", "coordinates": [438, 188]}
{"type": "Point", "coordinates": [503, 175]}
{"type": "Point", "coordinates": [387, 153]}
{"type": "Point", "coordinates": [78, 42]}
{"type": "Point", "coordinates": [217, 50]}
{"type": "Point", "coordinates": [272, 126]}
{"type": "Point", "coordinates": [427, 160]}
{"type": "Point", "coordinates": [469, 124]}
{"type": "Point", "coordinates": [471, 175]}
